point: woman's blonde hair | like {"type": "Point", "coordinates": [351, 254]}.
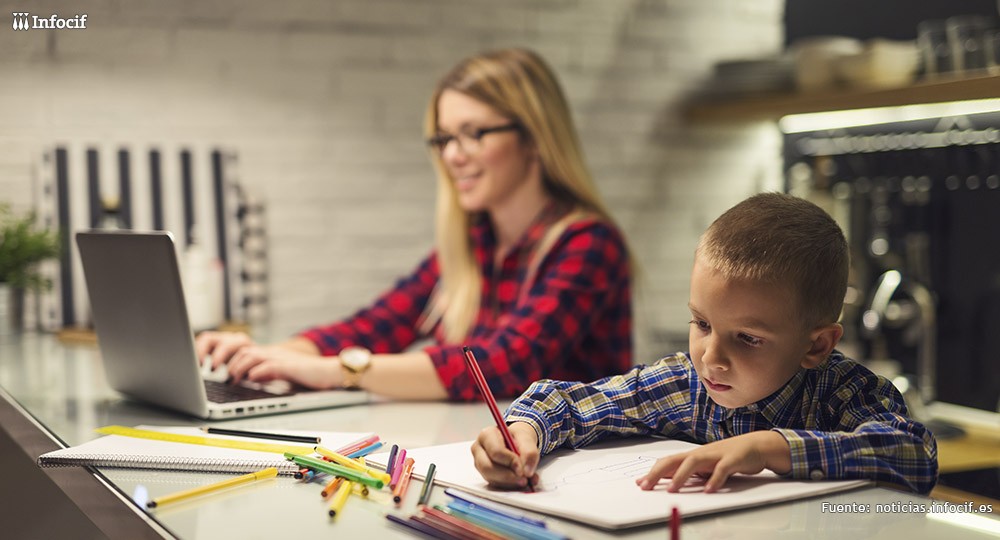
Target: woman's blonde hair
{"type": "Point", "coordinates": [518, 84]}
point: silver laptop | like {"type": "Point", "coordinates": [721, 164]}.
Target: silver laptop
{"type": "Point", "coordinates": [146, 340]}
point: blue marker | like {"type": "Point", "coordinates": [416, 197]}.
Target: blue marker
{"type": "Point", "coordinates": [502, 524]}
{"type": "Point", "coordinates": [365, 451]}
{"type": "Point", "coordinates": [494, 507]}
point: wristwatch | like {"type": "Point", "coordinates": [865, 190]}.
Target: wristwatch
{"type": "Point", "coordinates": [354, 362]}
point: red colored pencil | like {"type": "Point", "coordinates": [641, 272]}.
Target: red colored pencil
{"type": "Point", "coordinates": [675, 524]}
{"type": "Point", "coordinates": [484, 389]}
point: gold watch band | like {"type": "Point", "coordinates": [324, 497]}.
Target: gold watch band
{"type": "Point", "coordinates": [354, 362]}
{"type": "Point", "coordinates": [352, 379]}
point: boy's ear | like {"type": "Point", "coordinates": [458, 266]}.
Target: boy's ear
{"type": "Point", "coordinates": [822, 340]}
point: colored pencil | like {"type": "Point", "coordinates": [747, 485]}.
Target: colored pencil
{"type": "Point", "coordinates": [484, 389]}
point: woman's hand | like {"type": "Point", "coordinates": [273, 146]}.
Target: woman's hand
{"type": "Point", "coordinates": [276, 362]}
{"type": "Point", "coordinates": [500, 466]}
{"type": "Point", "coordinates": [220, 347]}
{"type": "Point", "coordinates": [749, 453]}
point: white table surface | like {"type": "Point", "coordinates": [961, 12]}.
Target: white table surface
{"type": "Point", "coordinates": [63, 387]}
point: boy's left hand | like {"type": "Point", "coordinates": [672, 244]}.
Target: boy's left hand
{"type": "Point", "coordinates": [749, 453]}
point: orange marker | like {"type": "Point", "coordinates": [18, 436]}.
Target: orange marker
{"type": "Point", "coordinates": [331, 487]}
{"type": "Point", "coordinates": [404, 481]}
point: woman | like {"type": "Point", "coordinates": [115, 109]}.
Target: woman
{"type": "Point", "coordinates": [529, 270]}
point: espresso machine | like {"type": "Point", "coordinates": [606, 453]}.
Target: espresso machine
{"type": "Point", "coordinates": [920, 204]}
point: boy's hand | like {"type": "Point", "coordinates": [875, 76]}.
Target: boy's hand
{"type": "Point", "coordinates": [502, 467]}
{"type": "Point", "coordinates": [750, 453]}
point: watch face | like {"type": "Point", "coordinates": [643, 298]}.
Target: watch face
{"type": "Point", "coordinates": [355, 358]}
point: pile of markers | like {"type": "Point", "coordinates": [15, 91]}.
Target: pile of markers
{"type": "Point", "coordinates": [469, 517]}
{"type": "Point", "coordinates": [464, 517]}
{"type": "Point", "coordinates": [345, 465]}
{"type": "Point", "coordinates": [349, 474]}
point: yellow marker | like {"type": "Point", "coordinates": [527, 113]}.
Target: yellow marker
{"type": "Point", "coordinates": [331, 487]}
{"type": "Point", "coordinates": [351, 464]}
{"type": "Point", "coordinates": [340, 498]}
{"type": "Point", "coordinates": [204, 441]}
{"type": "Point", "coordinates": [189, 493]}
{"type": "Point", "coordinates": [362, 489]}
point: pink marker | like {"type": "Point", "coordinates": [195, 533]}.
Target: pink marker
{"type": "Point", "coordinates": [397, 468]}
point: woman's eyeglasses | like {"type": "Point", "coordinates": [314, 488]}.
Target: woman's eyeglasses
{"type": "Point", "coordinates": [470, 141]}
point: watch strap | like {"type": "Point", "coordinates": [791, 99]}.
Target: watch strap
{"type": "Point", "coordinates": [351, 376]}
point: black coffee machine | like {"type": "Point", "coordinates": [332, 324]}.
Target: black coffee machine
{"type": "Point", "coordinates": [920, 202]}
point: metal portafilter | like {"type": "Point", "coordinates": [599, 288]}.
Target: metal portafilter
{"type": "Point", "coordinates": [908, 305]}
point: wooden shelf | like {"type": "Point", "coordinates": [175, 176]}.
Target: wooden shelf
{"type": "Point", "coordinates": [978, 448]}
{"type": "Point", "coordinates": [774, 106]}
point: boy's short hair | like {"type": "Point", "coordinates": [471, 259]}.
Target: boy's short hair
{"type": "Point", "coordinates": [780, 239]}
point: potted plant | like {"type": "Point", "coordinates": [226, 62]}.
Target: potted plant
{"type": "Point", "coordinates": [22, 247]}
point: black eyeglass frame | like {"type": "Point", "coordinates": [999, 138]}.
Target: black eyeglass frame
{"type": "Point", "coordinates": [438, 143]}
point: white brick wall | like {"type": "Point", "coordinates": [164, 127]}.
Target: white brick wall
{"type": "Point", "coordinates": [324, 102]}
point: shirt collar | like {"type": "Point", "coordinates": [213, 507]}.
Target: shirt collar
{"type": "Point", "coordinates": [776, 408]}
{"type": "Point", "coordinates": [481, 231]}
{"type": "Point", "coordinates": [779, 406]}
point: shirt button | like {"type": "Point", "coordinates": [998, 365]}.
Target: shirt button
{"type": "Point", "coordinates": [816, 474]}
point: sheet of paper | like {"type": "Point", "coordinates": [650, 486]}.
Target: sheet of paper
{"type": "Point", "coordinates": [596, 485]}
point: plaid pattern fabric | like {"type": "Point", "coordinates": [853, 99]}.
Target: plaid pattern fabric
{"type": "Point", "coordinates": [575, 321]}
{"type": "Point", "coordinates": [841, 420]}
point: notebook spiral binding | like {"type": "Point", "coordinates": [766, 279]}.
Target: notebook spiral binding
{"type": "Point", "coordinates": [171, 463]}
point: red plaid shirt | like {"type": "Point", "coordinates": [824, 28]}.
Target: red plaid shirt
{"type": "Point", "coordinates": [575, 322]}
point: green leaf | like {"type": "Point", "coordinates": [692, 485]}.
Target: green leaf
{"type": "Point", "coordinates": [22, 247]}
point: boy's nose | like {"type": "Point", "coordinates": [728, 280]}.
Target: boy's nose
{"type": "Point", "coordinates": [715, 357]}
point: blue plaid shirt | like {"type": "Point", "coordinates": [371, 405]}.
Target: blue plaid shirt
{"type": "Point", "coordinates": [841, 420]}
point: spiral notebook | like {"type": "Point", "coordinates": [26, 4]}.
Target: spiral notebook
{"type": "Point", "coordinates": [138, 453]}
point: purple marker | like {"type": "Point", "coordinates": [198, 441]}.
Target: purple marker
{"type": "Point", "coordinates": [391, 464]}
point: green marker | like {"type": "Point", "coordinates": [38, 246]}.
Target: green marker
{"type": "Point", "coordinates": [336, 470]}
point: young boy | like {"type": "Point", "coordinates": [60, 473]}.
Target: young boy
{"type": "Point", "coordinates": [762, 385]}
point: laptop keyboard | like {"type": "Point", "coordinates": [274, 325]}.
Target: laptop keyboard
{"type": "Point", "coordinates": [220, 392]}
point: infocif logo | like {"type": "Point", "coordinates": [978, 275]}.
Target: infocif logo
{"type": "Point", "coordinates": [26, 21]}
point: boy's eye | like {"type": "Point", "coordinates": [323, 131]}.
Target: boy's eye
{"type": "Point", "coordinates": [750, 340]}
{"type": "Point", "coordinates": [701, 325]}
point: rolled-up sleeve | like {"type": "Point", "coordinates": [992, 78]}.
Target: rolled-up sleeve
{"type": "Point", "coordinates": [868, 436]}
{"type": "Point", "coordinates": [390, 324]}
